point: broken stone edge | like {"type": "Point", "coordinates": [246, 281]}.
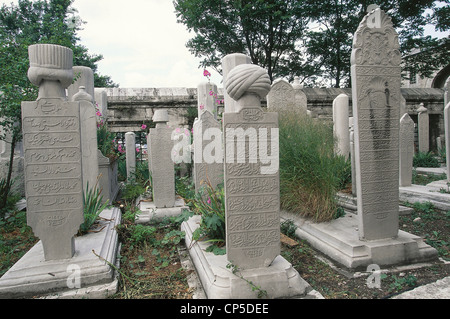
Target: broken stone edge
{"type": "Point", "coordinates": [279, 280]}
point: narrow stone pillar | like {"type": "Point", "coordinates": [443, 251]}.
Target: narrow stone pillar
{"type": "Point", "coordinates": [88, 123]}
{"type": "Point", "coordinates": [341, 125]}
{"type": "Point", "coordinates": [424, 129]}
{"type": "Point", "coordinates": [406, 150]}
{"type": "Point", "coordinates": [447, 138]}
{"type": "Point", "coordinates": [130, 148]}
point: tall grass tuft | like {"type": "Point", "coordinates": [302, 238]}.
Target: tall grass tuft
{"type": "Point", "coordinates": [310, 172]}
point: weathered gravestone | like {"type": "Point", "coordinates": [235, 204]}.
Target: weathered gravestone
{"type": "Point", "coordinates": [161, 164]}
{"type": "Point", "coordinates": [281, 97]}
{"type": "Point", "coordinates": [252, 199]}
{"type": "Point", "coordinates": [447, 138]}
{"type": "Point", "coordinates": [130, 148]}
{"type": "Point", "coordinates": [207, 143]}
{"type": "Point", "coordinates": [88, 129]}
{"type": "Point", "coordinates": [424, 129]}
{"type": "Point", "coordinates": [52, 144]}
{"type": "Point", "coordinates": [301, 100]}
{"type": "Point", "coordinates": [376, 80]}
{"type": "Point", "coordinates": [406, 150]}
{"type": "Point", "coordinates": [341, 125]}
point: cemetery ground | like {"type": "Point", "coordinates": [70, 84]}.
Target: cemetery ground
{"type": "Point", "coordinates": [151, 268]}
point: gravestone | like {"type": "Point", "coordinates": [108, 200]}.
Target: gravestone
{"type": "Point", "coordinates": [406, 150]}
{"type": "Point", "coordinates": [101, 100]}
{"type": "Point", "coordinates": [207, 143]}
{"type": "Point", "coordinates": [84, 76]}
{"type": "Point", "coordinates": [252, 199]}
{"type": "Point", "coordinates": [376, 80]}
{"type": "Point", "coordinates": [228, 63]}
{"type": "Point", "coordinates": [447, 138]}
{"type": "Point", "coordinates": [205, 98]}
{"type": "Point", "coordinates": [424, 129]}
{"type": "Point", "coordinates": [301, 100]}
{"type": "Point", "coordinates": [130, 148]}
{"type": "Point", "coordinates": [52, 146]}
{"type": "Point", "coordinates": [281, 97]}
{"type": "Point", "coordinates": [161, 164]}
{"type": "Point", "coordinates": [88, 129]}
{"type": "Point", "coordinates": [341, 125]}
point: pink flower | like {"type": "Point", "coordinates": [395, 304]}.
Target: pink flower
{"type": "Point", "coordinates": [98, 113]}
{"type": "Point", "coordinates": [138, 149]}
{"type": "Point", "coordinates": [211, 93]}
{"type": "Point", "coordinates": [143, 127]}
{"type": "Point", "coordinates": [209, 200]}
{"type": "Point", "coordinates": [206, 73]}
{"type": "Point", "coordinates": [178, 130]}
{"type": "Point", "coordinates": [201, 107]}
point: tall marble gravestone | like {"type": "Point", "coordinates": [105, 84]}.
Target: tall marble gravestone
{"type": "Point", "coordinates": [52, 146]}
{"type": "Point", "coordinates": [373, 237]}
{"type": "Point", "coordinates": [207, 143]}
{"type": "Point", "coordinates": [252, 199]}
{"type": "Point", "coordinates": [161, 164]}
{"type": "Point", "coordinates": [376, 80]}
{"type": "Point", "coordinates": [406, 150]}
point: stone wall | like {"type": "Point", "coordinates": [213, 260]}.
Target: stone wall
{"type": "Point", "coordinates": [129, 108]}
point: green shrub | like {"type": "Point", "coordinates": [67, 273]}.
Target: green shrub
{"type": "Point", "coordinates": [211, 206]}
{"type": "Point", "coordinates": [310, 171]}
{"type": "Point", "coordinates": [425, 159]}
{"type": "Point", "coordinates": [92, 203]}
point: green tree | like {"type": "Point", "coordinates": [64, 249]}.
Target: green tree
{"type": "Point", "coordinates": [265, 30]}
{"type": "Point", "coordinates": [308, 38]}
{"type": "Point", "coordinates": [31, 22]}
{"type": "Point", "coordinates": [329, 43]}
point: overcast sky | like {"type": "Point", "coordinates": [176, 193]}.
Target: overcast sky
{"type": "Point", "coordinates": [141, 43]}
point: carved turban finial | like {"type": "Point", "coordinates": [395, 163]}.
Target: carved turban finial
{"type": "Point", "coordinates": [247, 78]}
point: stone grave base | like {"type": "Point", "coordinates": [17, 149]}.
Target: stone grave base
{"type": "Point", "coordinates": [279, 280]}
{"type": "Point", "coordinates": [429, 193]}
{"type": "Point", "coordinates": [85, 275]}
{"type": "Point", "coordinates": [349, 203]}
{"type": "Point", "coordinates": [339, 240]}
{"type": "Point", "coordinates": [149, 212]}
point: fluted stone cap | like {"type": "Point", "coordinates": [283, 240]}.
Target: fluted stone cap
{"type": "Point", "coordinates": [160, 116]}
{"type": "Point", "coordinates": [247, 78]}
{"type": "Point", "coordinates": [50, 62]}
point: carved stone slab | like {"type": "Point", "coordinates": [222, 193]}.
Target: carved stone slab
{"type": "Point", "coordinates": [53, 174]}
{"type": "Point", "coordinates": [208, 163]}
{"type": "Point", "coordinates": [251, 188]}
{"type": "Point", "coordinates": [375, 69]}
